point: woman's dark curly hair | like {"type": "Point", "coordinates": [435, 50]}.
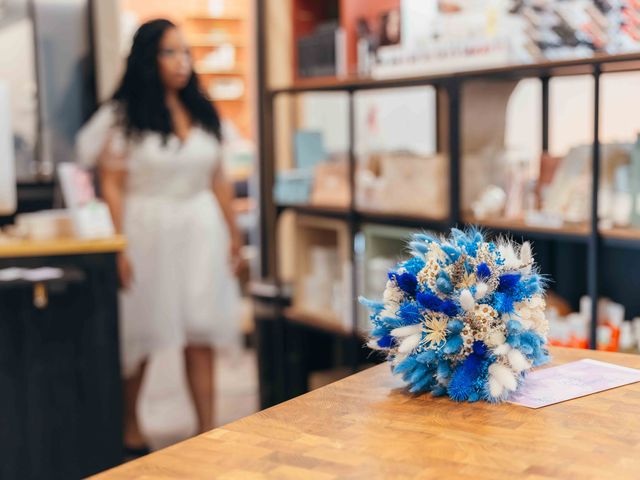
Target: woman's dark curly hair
{"type": "Point", "coordinates": [141, 96]}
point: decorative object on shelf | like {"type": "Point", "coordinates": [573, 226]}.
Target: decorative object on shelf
{"type": "Point", "coordinates": [293, 187]}
{"type": "Point", "coordinates": [490, 203]}
{"type": "Point", "coordinates": [226, 89]}
{"type": "Point", "coordinates": [331, 185]}
{"type": "Point", "coordinates": [216, 8]}
{"type": "Point", "coordinates": [322, 52]}
{"type": "Point", "coordinates": [462, 317]}
{"type": "Point", "coordinates": [453, 36]}
{"type": "Point", "coordinates": [221, 59]}
{"type": "Point", "coordinates": [90, 216]}
{"type": "Point", "coordinates": [391, 182]}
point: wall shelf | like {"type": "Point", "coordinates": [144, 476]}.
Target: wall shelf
{"type": "Point", "coordinates": [203, 70]}
{"type": "Point", "coordinates": [621, 237]}
{"type": "Point", "coordinates": [582, 66]}
{"type": "Point", "coordinates": [578, 232]}
{"type": "Point", "coordinates": [339, 213]}
{"type": "Point", "coordinates": [213, 18]}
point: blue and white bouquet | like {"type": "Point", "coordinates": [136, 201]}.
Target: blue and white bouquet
{"type": "Point", "coordinates": [463, 316]}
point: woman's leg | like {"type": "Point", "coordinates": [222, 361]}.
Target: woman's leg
{"type": "Point", "coordinates": [133, 437]}
{"type": "Point", "coordinates": [199, 363]}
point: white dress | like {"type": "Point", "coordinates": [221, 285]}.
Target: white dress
{"type": "Point", "coordinates": [183, 291]}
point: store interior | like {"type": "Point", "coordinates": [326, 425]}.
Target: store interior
{"type": "Point", "coordinates": [348, 125]}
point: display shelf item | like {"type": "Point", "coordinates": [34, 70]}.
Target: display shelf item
{"type": "Point", "coordinates": [413, 185]}
{"type": "Point", "coordinates": [322, 276]}
{"type": "Point", "coordinates": [383, 248]}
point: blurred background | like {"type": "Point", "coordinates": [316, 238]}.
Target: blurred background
{"type": "Point", "coordinates": [349, 124]}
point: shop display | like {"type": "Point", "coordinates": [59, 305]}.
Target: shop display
{"type": "Point", "coordinates": [462, 317]}
{"type": "Point", "coordinates": [435, 36]}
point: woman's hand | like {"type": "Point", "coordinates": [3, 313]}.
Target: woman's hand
{"type": "Point", "coordinates": [125, 271]}
{"type": "Point", "coordinates": [235, 253]}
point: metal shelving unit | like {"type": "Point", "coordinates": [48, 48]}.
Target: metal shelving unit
{"type": "Point", "coordinates": [451, 84]}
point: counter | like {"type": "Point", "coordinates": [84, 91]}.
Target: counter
{"type": "Point", "coordinates": [366, 426]}
{"type": "Point", "coordinates": [65, 246]}
{"type": "Point", "coordinates": [60, 386]}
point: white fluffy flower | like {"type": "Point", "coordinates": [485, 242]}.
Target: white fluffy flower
{"type": "Point", "coordinates": [531, 315]}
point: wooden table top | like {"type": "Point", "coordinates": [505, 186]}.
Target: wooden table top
{"type": "Point", "coordinates": [61, 246]}
{"type": "Point", "coordinates": [366, 426]}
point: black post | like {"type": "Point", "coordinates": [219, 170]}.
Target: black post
{"type": "Point", "coordinates": [455, 141]}
{"type": "Point", "coordinates": [353, 231]}
{"type": "Point", "coordinates": [265, 164]}
{"type": "Point", "coordinates": [545, 113]}
{"type": "Point", "coordinates": [594, 238]}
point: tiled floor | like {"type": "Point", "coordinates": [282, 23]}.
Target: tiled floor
{"type": "Point", "coordinates": [165, 408]}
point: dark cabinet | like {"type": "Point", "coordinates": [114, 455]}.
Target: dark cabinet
{"type": "Point", "coordinates": [60, 387]}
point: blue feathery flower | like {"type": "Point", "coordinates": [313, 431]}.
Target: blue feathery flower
{"type": "Point", "coordinates": [483, 271]}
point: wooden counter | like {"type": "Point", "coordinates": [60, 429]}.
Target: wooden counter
{"type": "Point", "coordinates": [366, 426]}
{"type": "Point", "coordinates": [65, 246]}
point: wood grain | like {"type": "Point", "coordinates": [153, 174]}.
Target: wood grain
{"type": "Point", "coordinates": [367, 426]}
{"type": "Point", "coordinates": [64, 246]}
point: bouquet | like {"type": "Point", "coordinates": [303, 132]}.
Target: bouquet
{"type": "Point", "coordinates": [463, 316]}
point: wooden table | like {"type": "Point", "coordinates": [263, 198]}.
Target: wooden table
{"type": "Point", "coordinates": [60, 386]}
{"type": "Point", "coordinates": [366, 426]}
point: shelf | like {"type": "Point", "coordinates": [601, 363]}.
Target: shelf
{"type": "Point", "coordinates": [621, 237]}
{"type": "Point", "coordinates": [609, 63]}
{"type": "Point", "coordinates": [210, 71]}
{"type": "Point", "coordinates": [209, 17]}
{"type": "Point", "coordinates": [578, 232]}
{"type": "Point", "coordinates": [327, 323]}
{"type": "Point", "coordinates": [213, 44]}
{"type": "Point", "coordinates": [329, 212]}
{"type": "Point", "coordinates": [402, 219]}
{"type": "Point", "coordinates": [228, 100]}
{"type": "Point", "coordinates": [369, 216]}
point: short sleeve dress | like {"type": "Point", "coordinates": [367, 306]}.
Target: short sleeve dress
{"type": "Point", "coordinates": [183, 291]}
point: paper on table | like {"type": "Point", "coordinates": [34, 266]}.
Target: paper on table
{"type": "Point", "coordinates": [572, 380]}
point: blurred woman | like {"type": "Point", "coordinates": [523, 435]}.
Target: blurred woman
{"type": "Point", "coordinates": [157, 145]}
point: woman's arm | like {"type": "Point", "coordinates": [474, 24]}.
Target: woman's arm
{"type": "Point", "coordinates": [223, 190]}
{"type": "Point", "coordinates": [112, 178]}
